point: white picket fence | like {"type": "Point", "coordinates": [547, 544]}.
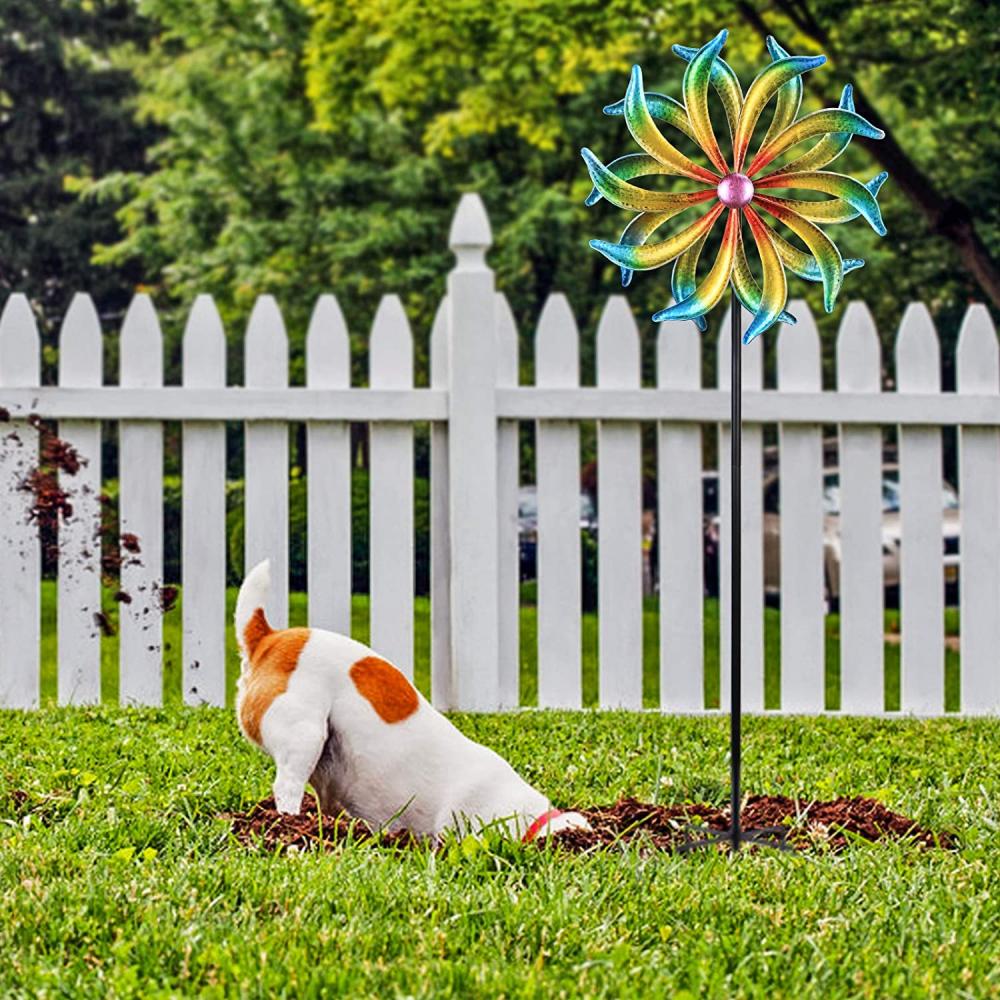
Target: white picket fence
{"type": "Point", "coordinates": [473, 406]}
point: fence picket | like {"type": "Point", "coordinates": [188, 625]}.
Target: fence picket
{"type": "Point", "coordinates": [328, 484]}
{"type": "Point", "coordinates": [140, 475]}
{"type": "Point", "coordinates": [508, 480]}
{"type": "Point", "coordinates": [801, 490]}
{"type": "Point", "coordinates": [557, 472]}
{"type": "Point", "coordinates": [619, 514]}
{"type": "Point", "coordinates": [20, 553]}
{"type": "Point", "coordinates": [391, 492]}
{"type": "Point", "coordinates": [751, 520]}
{"type": "Point", "coordinates": [266, 457]}
{"type": "Point", "coordinates": [921, 591]}
{"type": "Point", "coordinates": [472, 464]}
{"type": "Point", "coordinates": [679, 527]}
{"type": "Point", "coordinates": [860, 576]}
{"type": "Point", "coordinates": [79, 601]}
{"type": "Point", "coordinates": [203, 516]}
{"type": "Point", "coordinates": [978, 373]}
{"type": "Point", "coordinates": [442, 690]}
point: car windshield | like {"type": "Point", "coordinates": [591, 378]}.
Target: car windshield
{"type": "Point", "coordinates": [890, 494]}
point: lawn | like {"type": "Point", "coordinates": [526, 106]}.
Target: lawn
{"type": "Point", "coordinates": [118, 879]}
{"type": "Point", "coordinates": [529, 687]}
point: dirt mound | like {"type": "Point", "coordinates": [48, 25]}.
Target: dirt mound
{"type": "Point", "coordinates": [812, 825]}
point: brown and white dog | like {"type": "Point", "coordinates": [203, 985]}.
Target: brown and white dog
{"type": "Point", "coordinates": [332, 713]}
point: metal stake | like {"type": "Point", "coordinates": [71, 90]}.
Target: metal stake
{"type": "Point", "coordinates": [735, 836]}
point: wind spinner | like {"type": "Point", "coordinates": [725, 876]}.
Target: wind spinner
{"type": "Point", "coordinates": [740, 190]}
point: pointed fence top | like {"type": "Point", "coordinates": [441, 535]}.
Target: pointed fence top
{"type": "Point", "coordinates": [918, 353]}
{"type": "Point", "coordinates": [19, 344]}
{"type": "Point", "coordinates": [557, 350]}
{"type": "Point", "coordinates": [328, 351]}
{"type": "Point", "coordinates": [266, 346]}
{"type": "Point", "coordinates": [204, 346]}
{"type": "Point", "coordinates": [390, 351]}
{"type": "Point", "coordinates": [617, 346]}
{"type": "Point", "coordinates": [470, 235]}
{"type": "Point", "coordinates": [81, 348]}
{"type": "Point", "coordinates": [859, 354]}
{"type": "Point", "coordinates": [977, 356]}
{"type": "Point", "coordinates": [141, 362]}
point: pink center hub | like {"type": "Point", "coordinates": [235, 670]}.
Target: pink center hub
{"type": "Point", "coordinates": [735, 190]}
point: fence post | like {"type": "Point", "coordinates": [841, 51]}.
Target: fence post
{"type": "Point", "coordinates": [79, 588]}
{"type": "Point", "coordinates": [752, 522]}
{"type": "Point", "coordinates": [508, 483]}
{"type": "Point", "coordinates": [679, 527]}
{"type": "Point", "coordinates": [800, 488]}
{"type": "Point", "coordinates": [977, 366]}
{"type": "Point", "coordinates": [203, 517]}
{"type": "Point", "coordinates": [472, 454]}
{"type": "Point", "coordinates": [441, 673]}
{"type": "Point", "coordinates": [557, 472]}
{"type": "Point", "coordinates": [20, 555]}
{"type": "Point", "coordinates": [921, 568]}
{"type": "Point", "coordinates": [140, 500]}
{"type": "Point", "coordinates": [390, 492]}
{"type": "Point", "coordinates": [328, 472]}
{"type": "Point", "coordinates": [619, 517]}
{"type": "Point", "coordinates": [265, 456]}
{"type": "Point", "coordinates": [860, 574]}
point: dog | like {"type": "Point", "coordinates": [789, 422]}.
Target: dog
{"type": "Point", "coordinates": [334, 714]}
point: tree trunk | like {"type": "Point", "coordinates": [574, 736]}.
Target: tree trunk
{"type": "Point", "coordinates": [946, 217]}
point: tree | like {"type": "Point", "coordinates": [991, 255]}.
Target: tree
{"type": "Point", "coordinates": [64, 115]}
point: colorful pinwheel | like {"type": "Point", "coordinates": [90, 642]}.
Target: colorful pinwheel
{"type": "Point", "coordinates": [736, 185]}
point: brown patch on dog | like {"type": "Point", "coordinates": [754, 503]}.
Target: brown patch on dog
{"type": "Point", "coordinates": [273, 660]}
{"type": "Point", "coordinates": [255, 630]}
{"type": "Point", "coordinates": [387, 690]}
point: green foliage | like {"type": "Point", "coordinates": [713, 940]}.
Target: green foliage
{"type": "Point", "coordinates": [112, 816]}
{"type": "Point", "coordinates": [66, 116]}
{"type": "Point", "coordinates": [297, 505]}
{"type": "Point", "coordinates": [322, 144]}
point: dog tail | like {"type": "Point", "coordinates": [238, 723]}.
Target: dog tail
{"type": "Point", "coordinates": [251, 623]}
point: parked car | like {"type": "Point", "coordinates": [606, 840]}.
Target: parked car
{"type": "Point", "coordinates": [527, 526]}
{"type": "Point", "coordinates": [891, 532]}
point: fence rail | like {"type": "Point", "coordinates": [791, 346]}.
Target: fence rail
{"type": "Point", "coordinates": [473, 405]}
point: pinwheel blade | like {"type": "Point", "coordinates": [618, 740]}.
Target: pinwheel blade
{"type": "Point", "coordinates": [633, 198]}
{"type": "Point", "coordinates": [712, 288]}
{"type": "Point", "coordinates": [768, 82]}
{"type": "Point", "coordinates": [830, 146]}
{"type": "Point", "coordinates": [834, 211]}
{"type": "Point", "coordinates": [775, 293]}
{"type": "Point", "coordinates": [627, 168]}
{"type": "Point", "coordinates": [648, 256]}
{"type": "Point", "coordinates": [725, 82]}
{"type": "Point", "coordinates": [829, 120]}
{"type": "Point", "coordinates": [789, 98]}
{"type": "Point", "coordinates": [640, 123]}
{"type": "Point", "coordinates": [683, 278]}
{"type": "Point", "coordinates": [695, 87]}
{"type": "Point", "coordinates": [823, 249]}
{"type": "Point", "coordinates": [847, 189]}
{"type": "Point", "coordinates": [662, 108]}
{"type": "Point", "coordinates": [746, 287]}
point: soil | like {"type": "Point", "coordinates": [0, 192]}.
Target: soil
{"type": "Point", "coordinates": [812, 825]}
{"type": "Point", "coordinates": [52, 505]}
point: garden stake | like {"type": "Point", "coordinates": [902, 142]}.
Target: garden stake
{"type": "Point", "coordinates": [734, 189]}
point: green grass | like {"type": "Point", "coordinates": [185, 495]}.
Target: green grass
{"type": "Point", "coordinates": [117, 879]}
{"type": "Point", "coordinates": [529, 638]}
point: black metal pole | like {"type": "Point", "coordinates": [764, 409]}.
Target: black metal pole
{"type": "Point", "coordinates": [735, 551]}
{"type": "Point", "coordinates": [736, 836]}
